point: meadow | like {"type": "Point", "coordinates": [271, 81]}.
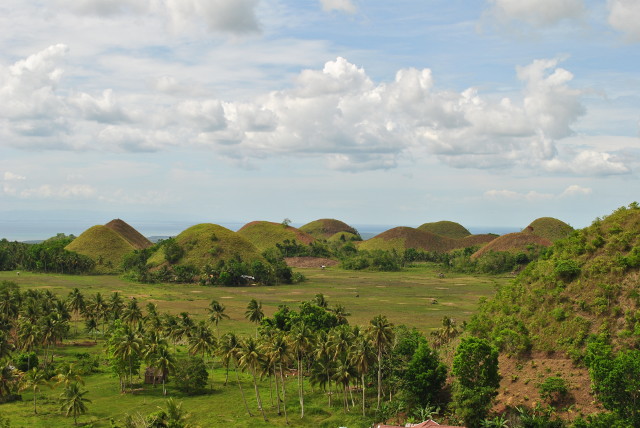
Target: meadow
{"type": "Point", "coordinates": [416, 297]}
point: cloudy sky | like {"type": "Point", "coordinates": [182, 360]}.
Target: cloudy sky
{"type": "Point", "coordinates": [486, 112]}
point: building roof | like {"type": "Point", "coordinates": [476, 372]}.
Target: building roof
{"type": "Point", "coordinates": [426, 424]}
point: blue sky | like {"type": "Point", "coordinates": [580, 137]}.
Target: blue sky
{"type": "Point", "coordinates": [489, 113]}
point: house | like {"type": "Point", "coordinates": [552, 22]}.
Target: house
{"type": "Point", "coordinates": [426, 424]}
{"type": "Point", "coordinates": [154, 376]}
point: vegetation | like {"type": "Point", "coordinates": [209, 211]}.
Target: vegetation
{"type": "Point", "coordinates": [265, 235]}
{"type": "Point", "coordinates": [449, 229]}
{"type": "Point", "coordinates": [328, 228]}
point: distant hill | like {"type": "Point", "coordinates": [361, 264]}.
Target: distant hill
{"type": "Point", "coordinates": [446, 228]}
{"type": "Point", "coordinates": [549, 228]}
{"type": "Point", "coordinates": [326, 228]}
{"type": "Point", "coordinates": [265, 234]}
{"type": "Point", "coordinates": [133, 237]}
{"type": "Point", "coordinates": [208, 243]}
{"type": "Point", "coordinates": [513, 243]}
{"type": "Point", "coordinates": [104, 245]}
{"type": "Point", "coordinates": [402, 238]}
{"type": "Point", "coordinates": [585, 284]}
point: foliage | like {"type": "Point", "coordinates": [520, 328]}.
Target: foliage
{"type": "Point", "coordinates": [425, 376]}
{"type": "Point", "coordinates": [553, 389]}
{"type": "Point", "coordinates": [191, 375]}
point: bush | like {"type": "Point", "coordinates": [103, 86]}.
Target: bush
{"type": "Point", "coordinates": [553, 390]}
{"type": "Point", "coordinates": [566, 270]}
{"type": "Point", "coordinates": [191, 375]}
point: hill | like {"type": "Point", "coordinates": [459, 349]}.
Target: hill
{"type": "Point", "coordinates": [265, 234]}
{"type": "Point", "coordinates": [549, 228]}
{"type": "Point", "coordinates": [585, 284]}
{"type": "Point", "coordinates": [326, 228]}
{"type": "Point", "coordinates": [205, 244]}
{"type": "Point", "coordinates": [446, 228]}
{"type": "Point", "coordinates": [104, 245]}
{"type": "Point", "coordinates": [513, 243]}
{"type": "Point", "coordinates": [133, 237]}
{"type": "Point", "coordinates": [402, 238]}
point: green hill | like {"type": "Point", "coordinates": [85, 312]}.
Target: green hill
{"type": "Point", "coordinates": [104, 245]}
{"type": "Point", "coordinates": [513, 243]}
{"type": "Point", "coordinates": [549, 228]}
{"type": "Point", "coordinates": [133, 237]}
{"type": "Point", "coordinates": [587, 283]}
{"type": "Point", "coordinates": [402, 238]}
{"type": "Point", "coordinates": [326, 228]}
{"type": "Point", "coordinates": [207, 243]}
{"type": "Point", "coordinates": [446, 228]}
{"type": "Point", "coordinates": [265, 234]}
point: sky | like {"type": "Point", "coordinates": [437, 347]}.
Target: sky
{"type": "Point", "coordinates": [486, 112]}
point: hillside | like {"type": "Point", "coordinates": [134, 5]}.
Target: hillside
{"type": "Point", "coordinates": [402, 238]}
{"type": "Point", "coordinates": [549, 228]}
{"type": "Point", "coordinates": [326, 228]}
{"type": "Point", "coordinates": [265, 234]}
{"type": "Point", "coordinates": [446, 228]}
{"type": "Point", "coordinates": [207, 243]}
{"type": "Point", "coordinates": [104, 245]}
{"type": "Point", "coordinates": [585, 284]}
{"type": "Point", "coordinates": [133, 237]}
{"type": "Point", "coordinates": [513, 243]}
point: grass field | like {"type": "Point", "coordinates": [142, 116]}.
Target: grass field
{"type": "Point", "coordinates": [404, 297]}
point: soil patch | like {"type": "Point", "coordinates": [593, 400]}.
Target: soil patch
{"type": "Point", "coordinates": [309, 262]}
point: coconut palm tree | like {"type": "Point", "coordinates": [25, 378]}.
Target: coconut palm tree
{"type": "Point", "coordinates": [250, 356]}
{"type": "Point", "coordinates": [301, 340]}
{"type": "Point", "coordinates": [254, 313]}
{"type": "Point", "coordinates": [381, 334]}
{"type": "Point", "coordinates": [33, 380]}
{"type": "Point", "coordinates": [229, 349]}
{"type": "Point", "coordinates": [362, 357]}
{"type": "Point", "coordinates": [279, 350]}
{"type": "Point", "coordinates": [216, 314]}
{"type": "Point", "coordinates": [116, 306]}
{"type": "Point", "coordinates": [76, 303]}
{"type": "Point", "coordinates": [164, 361]}
{"type": "Point", "coordinates": [73, 401]}
{"type": "Point", "coordinates": [344, 373]}
{"type": "Point", "coordinates": [128, 346]}
{"type": "Point", "coordinates": [132, 313]}
{"type": "Point", "coordinates": [201, 340]}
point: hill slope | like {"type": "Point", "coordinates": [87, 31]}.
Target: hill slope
{"type": "Point", "coordinates": [513, 243]}
{"type": "Point", "coordinates": [104, 245]}
{"type": "Point", "coordinates": [549, 228]}
{"type": "Point", "coordinates": [207, 243]}
{"type": "Point", "coordinates": [325, 228]}
{"type": "Point", "coordinates": [265, 234]}
{"type": "Point", "coordinates": [446, 228]}
{"type": "Point", "coordinates": [133, 237]}
{"type": "Point", "coordinates": [586, 284]}
{"type": "Point", "coordinates": [402, 238]}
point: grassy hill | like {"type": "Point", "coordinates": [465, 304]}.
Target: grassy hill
{"type": "Point", "coordinates": [133, 237]}
{"type": "Point", "coordinates": [326, 228]}
{"type": "Point", "coordinates": [402, 238]}
{"type": "Point", "coordinates": [513, 243]}
{"type": "Point", "coordinates": [550, 228]}
{"type": "Point", "coordinates": [104, 245]}
{"type": "Point", "coordinates": [207, 243]}
{"type": "Point", "coordinates": [265, 234]}
{"type": "Point", "coordinates": [585, 284]}
{"type": "Point", "coordinates": [446, 228]}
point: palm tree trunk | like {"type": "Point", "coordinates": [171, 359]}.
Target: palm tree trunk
{"type": "Point", "coordinates": [255, 386]}
{"type": "Point", "coordinates": [275, 375]}
{"type": "Point", "coordinates": [284, 395]}
{"type": "Point", "coordinates": [363, 394]}
{"type": "Point", "coordinates": [246, 406]}
{"type": "Point", "coordinates": [300, 388]}
{"type": "Point", "coordinates": [379, 376]}
{"type": "Point", "coordinates": [164, 389]}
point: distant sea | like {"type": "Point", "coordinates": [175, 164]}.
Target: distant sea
{"type": "Point", "coordinates": [37, 230]}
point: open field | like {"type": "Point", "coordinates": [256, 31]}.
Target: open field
{"type": "Point", "coordinates": [404, 297]}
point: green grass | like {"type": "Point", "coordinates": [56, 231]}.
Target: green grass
{"type": "Point", "coordinates": [449, 229]}
{"type": "Point", "coordinates": [404, 297]}
{"type": "Point", "coordinates": [327, 227]}
{"type": "Point", "coordinates": [265, 235]}
{"type": "Point", "coordinates": [550, 228]}
{"type": "Point", "coordinates": [104, 245]}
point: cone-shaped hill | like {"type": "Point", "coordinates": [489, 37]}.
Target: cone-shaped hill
{"type": "Point", "coordinates": [205, 244]}
{"type": "Point", "coordinates": [328, 228]}
{"type": "Point", "coordinates": [133, 237]}
{"type": "Point", "coordinates": [104, 245]}
{"type": "Point", "coordinates": [446, 228]}
{"type": "Point", "coordinates": [586, 284]}
{"type": "Point", "coordinates": [403, 238]}
{"type": "Point", "coordinates": [265, 234]}
{"type": "Point", "coordinates": [513, 243]}
{"type": "Point", "coordinates": [550, 228]}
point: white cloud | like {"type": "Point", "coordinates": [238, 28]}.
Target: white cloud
{"type": "Point", "coordinates": [589, 163]}
{"type": "Point", "coordinates": [10, 176]}
{"type": "Point", "coordinates": [538, 13]}
{"type": "Point", "coordinates": [533, 196]}
{"type": "Point", "coordinates": [47, 191]}
{"type": "Point", "coordinates": [340, 5]}
{"type": "Point", "coordinates": [232, 16]}
{"type": "Point", "coordinates": [624, 16]}
{"type": "Point", "coordinates": [104, 109]}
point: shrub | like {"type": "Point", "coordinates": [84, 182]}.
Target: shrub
{"type": "Point", "coordinates": [553, 390]}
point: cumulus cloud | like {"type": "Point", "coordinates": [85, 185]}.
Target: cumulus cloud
{"type": "Point", "coordinates": [340, 5]}
{"type": "Point", "coordinates": [10, 176]}
{"type": "Point", "coordinates": [47, 191]}
{"type": "Point", "coordinates": [533, 196]}
{"type": "Point", "coordinates": [232, 16]}
{"type": "Point", "coordinates": [624, 16]}
{"type": "Point", "coordinates": [538, 13]}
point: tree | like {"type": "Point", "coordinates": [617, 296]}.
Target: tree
{"type": "Point", "coordinates": [254, 313]}
{"type": "Point", "coordinates": [73, 401]}
{"type": "Point", "coordinates": [300, 338]}
{"type": "Point", "coordinates": [76, 304]}
{"type": "Point", "coordinates": [163, 360]}
{"type": "Point", "coordinates": [126, 345]}
{"type": "Point", "coordinates": [33, 380]}
{"type": "Point", "coordinates": [381, 333]}
{"type": "Point", "coordinates": [191, 375]}
{"type": "Point", "coordinates": [425, 375]}
{"type": "Point", "coordinates": [201, 340]}
{"type": "Point", "coordinates": [362, 357]}
{"type": "Point", "coordinates": [216, 314]}
{"type": "Point", "coordinates": [250, 358]}
{"type": "Point", "coordinates": [229, 349]}
{"type": "Point", "coordinates": [475, 366]}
